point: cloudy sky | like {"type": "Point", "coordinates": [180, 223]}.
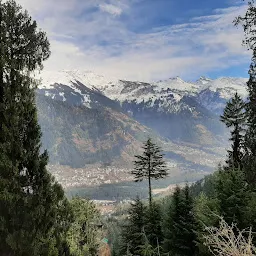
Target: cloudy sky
{"type": "Point", "coordinates": [144, 39]}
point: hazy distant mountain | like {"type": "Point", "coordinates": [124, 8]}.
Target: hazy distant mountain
{"type": "Point", "coordinates": [173, 107]}
{"type": "Point", "coordinates": [89, 119]}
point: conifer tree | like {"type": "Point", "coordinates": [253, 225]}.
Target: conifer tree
{"type": "Point", "coordinates": [233, 196]}
{"type": "Point", "coordinates": [153, 229]}
{"type": "Point", "coordinates": [132, 234]}
{"type": "Point", "coordinates": [250, 136]}
{"type": "Point", "coordinates": [234, 117]}
{"type": "Point", "coordinates": [150, 165]}
{"type": "Point", "coordinates": [180, 225]}
{"type": "Point", "coordinates": [30, 199]}
{"type": "Point", "coordinates": [207, 214]}
{"type": "Point", "coordinates": [82, 234]}
{"type": "Point", "coordinates": [248, 22]}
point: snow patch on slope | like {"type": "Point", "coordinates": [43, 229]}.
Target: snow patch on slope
{"type": "Point", "coordinates": [165, 95]}
{"type": "Point", "coordinates": [177, 84]}
{"type": "Point", "coordinates": [227, 86]}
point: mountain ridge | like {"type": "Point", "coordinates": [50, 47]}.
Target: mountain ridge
{"type": "Point", "coordinates": [79, 111]}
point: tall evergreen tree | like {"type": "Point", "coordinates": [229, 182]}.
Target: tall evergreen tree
{"type": "Point", "coordinates": [234, 117]}
{"type": "Point", "coordinates": [248, 22]}
{"type": "Point", "coordinates": [180, 225]}
{"type": "Point", "coordinates": [132, 234]}
{"type": "Point", "coordinates": [153, 229]}
{"type": "Point", "coordinates": [250, 136]}
{"type": "Point", "coordinates": [82, 235]}
{"type": "Point", "coordinates": [233, 196]}
{"type": "Point", "coordinates": [206, 212]}
{"type": "Point", "coordinates": [150, 165]}
{"type": "Point", "coordinates": [30, 199]}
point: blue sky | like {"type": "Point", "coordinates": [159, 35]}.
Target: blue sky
{"type": "Point", "coordinates": [144, 39]}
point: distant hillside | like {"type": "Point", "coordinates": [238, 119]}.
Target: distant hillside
{"type": "Point", "coordinates": [88, 120]}
{"type": "Point", "coordinates": [78, 135]}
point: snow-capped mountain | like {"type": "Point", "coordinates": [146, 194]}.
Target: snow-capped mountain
{"type": "Point", "coordinates": [227, 86]}
{"type": "Point", "coordinates": [168, 92]}
{"type": "Point", "coordinates": [173, 107]}
{"type": "Point", "coordinates": [89, 119]}
{"type": "Point", "coordinates": [213, 94]}
{"type": "Point", "coordinates": [203, 80]}
{"type": "Point", "coordinates": [76, 88]}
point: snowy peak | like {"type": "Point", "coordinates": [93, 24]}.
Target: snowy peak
{"type": "Point", "coordinates": [227, 86]}
{"type": "Point", "coordinates": [177, 84]}
{"type": "Point", "coordinates": [166, 95]}
{"type": "Point", "coordinates": [113, 87]}
{"type": "Point", "coordinates": [203, 80]}
{"type": "Point", "coordinates": [68, 77]}
{"type": "Point", "coordinates": [76, 88]}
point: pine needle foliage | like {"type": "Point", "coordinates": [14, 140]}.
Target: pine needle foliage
{"type": "Point", "coordinates": [31, 201]}
{"type": "Point", "coordinates": [149, 165]}
{"type": "Point", "coordinates": [234, 117]}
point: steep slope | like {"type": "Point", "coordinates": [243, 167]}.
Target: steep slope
{"type": "Point", "coordinates": [170, 107]}
{"type": "Point", "coordinates": [215, 93]}
{"type": "Point", "coordinates": [94, 146]}
{"type": "Point", "coordinates": [78, 135]}
{"type": "Point", "coordinates": [169, 92]}
{"type": "Point", "coordinates": [92, 125]}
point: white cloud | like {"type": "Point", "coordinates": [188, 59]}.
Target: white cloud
{"type": "Point", "coordinates": [110, 8]}
{"type": "Point", "coordinates": [83, 35]}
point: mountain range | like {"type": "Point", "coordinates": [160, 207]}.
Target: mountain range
{"type": "Point", "coordinates": [93, 125]}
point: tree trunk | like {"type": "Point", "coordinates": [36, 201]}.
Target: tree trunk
{"type": "Point", "coordinates": [236, 148]}
{"type": "Point", "coordinates": [149, 182]}
{"type": "Point", "coordinates": [1, 71]}
{"type": "Point", "coordinates": [150, 192]}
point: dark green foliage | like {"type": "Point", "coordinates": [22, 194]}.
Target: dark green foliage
{"type": "Point", "coordinates": [250, 136]}
{"type": "Point", "coordinates": [32, 204]}
{"type": "Point", "coordinates": [153, 229]}
{"type": "Point", "coordinates": [150, 165]}
{"type": "Point", "coordinates": [233, 196]}
{"type": "Point", "coordinates": [234, 117]}
{"type": "Point", "coordinates": [207, 215]}
{"type": "Point", "coordinates": [114, 230]}
{"type": "Point", "coordinates": [250, 212]}
{"type": "Point", "coordinates": [248, 23]}
{"type": "Point", "coordinates": [205, 185]}
{"type": "Point", "coordinates": [251, 111]}
{"type": "Point", "coordinates": [180, 225]}
{"type": "Point", "coordinates": [132, 234]}
{"type": "Point", "coordinates": [83, 232]}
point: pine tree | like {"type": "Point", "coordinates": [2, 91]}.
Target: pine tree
{"type": "Point", "coordinates": [251, 108]}
{"type": "Point", "coordinates": [234, 117]}
{"type": "Point", "coordinates": [132, 233]}
{"type": "Point", "coordinates": [150, 165]}
{"type": "Point", "coordinates": [180, 225]}
{"type": "Point", "coordinates": [248, 23]}
{"type": "Point", "coordinates": [250, 136]}
{"type": "Point", "coordinates": [30, 199]}
{"type": "Point", "coordinates": [207, 214]}
{"type": "Point", "coordinates": [153, 229]}
{"type": "Point", "coordinates": [191, 225]}
{"type": "Point", "coordinates": [82, 235]}
{"type": "Point", "coordinates": [171, 236]}
{"type": "Point", "coordinates": [233, 196]}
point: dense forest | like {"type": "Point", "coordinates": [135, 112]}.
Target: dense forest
{"type": "Point", "coordinates": [214, 216]}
